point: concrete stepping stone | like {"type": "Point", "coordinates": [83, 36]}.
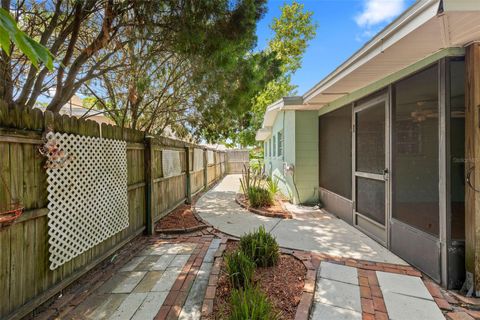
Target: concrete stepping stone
{"type": "Point", "coordinates": [147, 283]}
{"type": "Point", "coordinates": [98, 306]}
{"type": "Point", "coordinates": [129, 306]}
{"type": "Point", "coordinates": [147, 263]}
{"type": "Point", "coordinates": [167, 279]}
{"type": "Point", "coordinates": [403, 284]}
{"type": "Point", "coordinates": [132, 264]}
{"type": "Point", "coordinates": [327, 312]}
{"type": "Point", "coordinates": [113, 282]}
{"type": "Point", "coordinates": [338, 294]}
{"type": "Point", "coordinates": [150, 306]}
{"type": "Point", "coordinates": [407, 298]}
{"type": "Point", "coordinates": [403, 307]}
{"type": "Point", "coordinates": [179, 260]}
{"type": "Point", "coordinates": [130, 282]}
{"type": "Point", "coordinates": [163, 262]}
{"type": "Point", "coordinates": [169, 248]}
{"type": "Point", "coordinates": [339, 272]}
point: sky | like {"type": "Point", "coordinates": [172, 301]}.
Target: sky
{"type": "Point", "coordinates": [344, 26]}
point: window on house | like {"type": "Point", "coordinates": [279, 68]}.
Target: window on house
{"type": "Point", "coordinates": [274, 145]}
{"type": "Point", "coordinates": [269, 147]}
{"type": "Point", "coordinates": [335, 148]}
{"type": "Point", "coordinates": [280, 143]}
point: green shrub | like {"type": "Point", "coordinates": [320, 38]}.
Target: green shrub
{"type": "Point", "coordinates": [259, 197]}
{"type": "Point", "coordinates": [272, 186]}
{"type": "Point", "coordinates": [240, 269]}
{"type": "Point", "coordinates": [252, 304]}
{"type": "Point", "coordinates": [250, 178]}
{"type": "Point", "coordinates": [261, 247]}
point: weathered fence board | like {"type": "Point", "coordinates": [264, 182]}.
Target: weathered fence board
{"type": "Point", "coordinates": [25, 277]}
{"type": "Point", "coordinates": [236, 160]}
{"type": "Point", "coordinates": [197, 182]}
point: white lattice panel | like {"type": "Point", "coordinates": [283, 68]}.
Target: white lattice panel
{"type": "Point", "coordinates": [197, 159]}
{"type": "Point", "coordinates": [171, 165]}
{"type": "Point", "coordinates": [210, 157]}
{"type": "Point", "coordinates": [87, 197]}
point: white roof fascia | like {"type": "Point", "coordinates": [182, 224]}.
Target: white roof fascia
{"type": "Point", "coordinates": [263, 134]}
{"type": "Point", "coordinates": [414, 17]}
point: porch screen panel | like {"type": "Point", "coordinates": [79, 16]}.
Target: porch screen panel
{"type": "Point", "coordinates": [370, 142]}
{"type": "Point", "coordinates": [371, 199]}
{"type": "Point", "coordinates": [457, 148]}
{"type": "Point", "coordinates": [335, 129]}
{"type": "Point", "coordinates": [415, 151]}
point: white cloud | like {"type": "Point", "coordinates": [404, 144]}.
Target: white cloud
{"type": "Point", "coordinates": [378, 11]}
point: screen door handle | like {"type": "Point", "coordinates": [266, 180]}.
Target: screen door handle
{"type": "Point", "coordinates": [385, 173]}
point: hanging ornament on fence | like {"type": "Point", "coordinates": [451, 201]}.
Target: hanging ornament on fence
{"type": "Point", "coordinates": [56, 156]}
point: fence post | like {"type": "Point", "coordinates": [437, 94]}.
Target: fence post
{"type": "Point", "coordinates": [188, 190]}
{"type": "Point", "coordinates": [148, 184]}
{"type": "Point", "coordinates": [205, 168]}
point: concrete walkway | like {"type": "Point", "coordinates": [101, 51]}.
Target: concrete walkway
{"type": "Point", "coordinates": [309, 230]}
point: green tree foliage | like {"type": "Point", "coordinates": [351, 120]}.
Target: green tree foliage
{"type": "Point", "coordinates": [34, 51]}
{"type": "Point", "coordinates": [292, 32]}
{"type": "Point", "coordinates": [146, 50]}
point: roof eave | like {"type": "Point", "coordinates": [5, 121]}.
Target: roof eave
{"type": "Point", "coordinates": [416, 11]}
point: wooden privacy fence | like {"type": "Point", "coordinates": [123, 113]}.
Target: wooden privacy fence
{"type": "Point", "coordinates": [236, 160]}
{"type": "Point", "coordinates": [26, 280]}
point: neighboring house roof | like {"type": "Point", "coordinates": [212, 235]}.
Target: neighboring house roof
{"type": "Point", "coordinates": [74, 108]}
{"type": "Point", "coordinates": [424, 29]}
{"type": "Point", "coordinates": [219, 147]}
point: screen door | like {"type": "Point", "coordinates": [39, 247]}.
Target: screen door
{"type": "Point", "coordinates": [370, 168]}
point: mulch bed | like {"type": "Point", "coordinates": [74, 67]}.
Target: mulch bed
{"type": "Point", "coordinates": [274, 211]}
{"type": "Point", "coordinates": [181, 219]}
{"type": "Point", "coordinates": [283, 284]}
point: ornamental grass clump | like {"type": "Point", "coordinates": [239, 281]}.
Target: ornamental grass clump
{"type": "Point", "coordinates": [259, 197]}
{"type": "Point", "coordinates": [272, 186]}
{"type": "Point", "coordinates": [252, 304]}
{"type": "Point", "coordinates": [240, 269]}
{"type": "Point", "coordinates": [261, 247]}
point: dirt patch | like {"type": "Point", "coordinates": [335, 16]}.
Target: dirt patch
{"type": "Point", "coordinates": [282, 283]}
{"type": "Point", "coordinates": [180, 218]}
{"type": "Point", "coordinates": [276, 210]}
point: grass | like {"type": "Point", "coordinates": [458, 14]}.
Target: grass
{"type": "Point", "coordinates": [261, 247]}
{"type": "Point", "coordinates": [252, 304]}
{"type": "Point", "coordinates": [239, 268]}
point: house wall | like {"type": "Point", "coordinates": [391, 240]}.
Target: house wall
{"type": "Point", "coordinates": [300, 149]}
{"type": "Point", "coordinates": [285, 122]}
{"type": "Point", "coordinates": [306, 156]}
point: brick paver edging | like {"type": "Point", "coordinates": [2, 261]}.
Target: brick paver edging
{"type": "Point", "coordinates": [181, 230]}
{"type": "Point", "coordinates": [306, 301]}
{"type": "Point", "coordinates": [368, 265]}
{"type": "Point", "coordinates": [242, 203]}
{"type": "Point", "coordinates": [175, 300]}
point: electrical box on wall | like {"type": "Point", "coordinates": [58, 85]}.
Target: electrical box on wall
{"type": "Point", "coordinates": [288, 168]}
